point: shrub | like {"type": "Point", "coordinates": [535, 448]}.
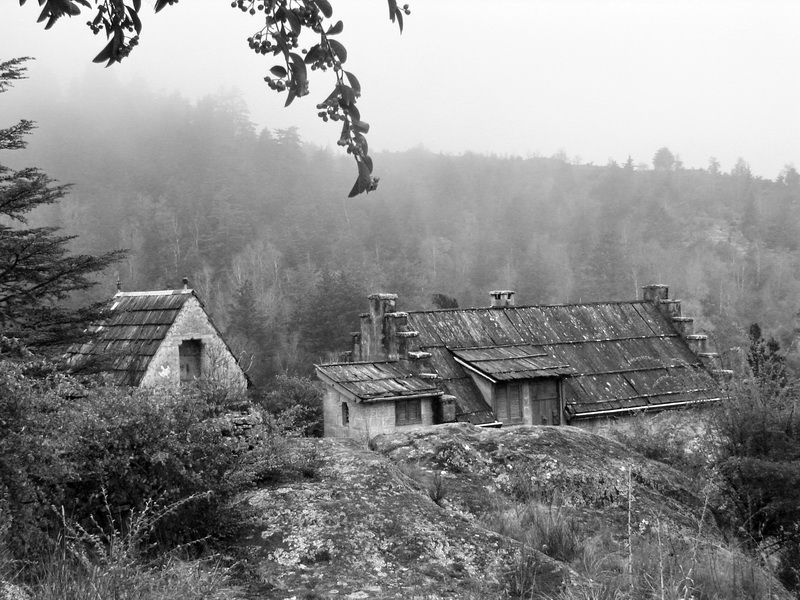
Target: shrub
{"type": "Point", "coordinates": [75, 445]}
{"type": "Point", "coordinates": [758, 460]}
{"type": "Point", "coordinates": [296, 402]}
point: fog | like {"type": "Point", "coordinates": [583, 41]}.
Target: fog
{"type": "Point", "coordinates": [597, 80]}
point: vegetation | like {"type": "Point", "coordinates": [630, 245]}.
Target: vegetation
{"type": "Point", "coordinates": [281, 34]}
{"type": "Point", "coordinates": [210, 197]}
{"type": "Point", "coordinates": [37, 270]}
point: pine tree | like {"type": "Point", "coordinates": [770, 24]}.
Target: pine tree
{"type": "Point", "coordinates": [37, 271]}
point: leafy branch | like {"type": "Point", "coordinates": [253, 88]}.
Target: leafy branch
{"type": "Point", "coordinates": [284, 23]}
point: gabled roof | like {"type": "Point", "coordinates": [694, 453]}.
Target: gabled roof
{"type": "Point", "coordinates": [135, 325]}
{"type": "Point", "coordinates": [623, 355]}
{"type": "Point", "coordinates": [376, 381]}
{"type": "Point", "coordinates": [507, 363]}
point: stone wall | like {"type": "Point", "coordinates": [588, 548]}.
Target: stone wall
{"type": "Point", "coordinates": [217, 362]}
{"type": "Point", "coordinates": [366, 419]}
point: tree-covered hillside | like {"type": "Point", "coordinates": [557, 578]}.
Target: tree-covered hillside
{"type": "Point", "coordinates": [259, 223]}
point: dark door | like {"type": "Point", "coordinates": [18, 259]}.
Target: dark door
{"type": "Point", "coordinates": [545, 402]}
{"type": "Point", "coordinates": [508, 402]}
{"type": "Point", "coordinates": [189, 357]}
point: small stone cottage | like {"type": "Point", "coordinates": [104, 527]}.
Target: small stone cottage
{"type": "Point", "coordinates": [507, 364]}
{"type": "Point", "coordinates": [158, 338]}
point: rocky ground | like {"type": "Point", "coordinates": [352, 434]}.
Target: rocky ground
{"type": "Point", "coordinates": [441, 513]}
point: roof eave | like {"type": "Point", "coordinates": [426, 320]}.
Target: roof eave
{"type": "Point", "coordinates": [601, 413]}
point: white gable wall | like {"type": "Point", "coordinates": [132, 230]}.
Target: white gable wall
{"type": "Point", "coordinates": [218, 363]}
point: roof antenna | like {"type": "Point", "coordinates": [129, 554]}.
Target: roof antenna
{"type": "Point", "coordinates": [186, 283]}
{"type": "Point", "coordinates": [119, 284]}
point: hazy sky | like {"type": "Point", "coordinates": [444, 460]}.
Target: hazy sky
{"type": "Point", "coordinates": [598, 79]}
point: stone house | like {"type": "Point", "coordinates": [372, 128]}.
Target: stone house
{"type": "Point", "coordinates": [158, 338]}
{"type": "Point", "coordinates": [577, 364]}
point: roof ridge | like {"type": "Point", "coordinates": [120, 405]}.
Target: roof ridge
{"type": "Point", "coordinates": [562, 305]}
{"type": "Point", "coordinates": [154, 293]}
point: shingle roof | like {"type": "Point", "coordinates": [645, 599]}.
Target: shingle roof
{"type": "Point", "coordinates": [623, 355]}
{"type": "Point", "coordinates": [135, 325]}
{"type": "Point", "coordinates": [377, 381]}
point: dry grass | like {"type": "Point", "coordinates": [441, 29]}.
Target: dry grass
{"type": "Point", "coordinates": [110, 562]}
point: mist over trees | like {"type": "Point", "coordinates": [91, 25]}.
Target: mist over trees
{"type": "Point", "coordinates": [257, 220]}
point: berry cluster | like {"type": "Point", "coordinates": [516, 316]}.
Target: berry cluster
{"type": "Point", "coordinates": [121, 25]}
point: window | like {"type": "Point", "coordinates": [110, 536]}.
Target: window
{"type": "Point", "coordinates": [345, 414]}
{"type": "Point", "coordinates": [189, 353]}
{"type": "Point", "coordinates": [407, 412]}
{"type": "Point", "coordinates": [508, 402]}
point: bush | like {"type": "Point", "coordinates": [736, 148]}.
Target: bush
{"type": "Point", "coordinates": [64, 443]}
{"type": "Point", "coordinates": [107, 562]}
{"type": "Point", "coordinates": [758, 459]}
{"type": "Point", "coordinates": [296, 402]}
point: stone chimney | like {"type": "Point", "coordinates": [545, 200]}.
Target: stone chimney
{"type": "Point", "coordinates": [373, 326]}
{"type": "Point", "coordinates": [502, 298]}
{"type": "Point", "coordinates": [658, 294]}
{"type": "Point", "coordinates": [384, 331]}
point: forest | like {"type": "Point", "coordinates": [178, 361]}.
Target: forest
{"type": "Point", "coordinates": [260, 223]}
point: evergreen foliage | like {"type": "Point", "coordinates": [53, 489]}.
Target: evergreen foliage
{"type": "Point", "coordinates": [37, 270]}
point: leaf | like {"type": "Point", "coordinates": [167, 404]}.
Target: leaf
{"type": "Point", "coordinates": [137, 5]}
{"type": "Point", "coordinates": [161, 4]}
{"type": "Point", "coordinates": [105, 53]}
{"type": "Point", "coordinates": [314, 53]}
{"type": "Point", "coordinates": [325, 7]}
{"type": "Point", "coordinates": [339, 50]}
{"type": "Point", "coordinates": [392, 9]}
{"type": "Point", "coordinates": [399, 14]}
{"type": "Point", "coordinates": [362, 183]}
{"type": "Point", "coordinates": [348, 96]}
{"type": "Point", "coordinates": [362, 142]}
{"type": "Point", "coordinates": [334, 29]}
{"type": "Point", "coordinates": [299, 72]}
{"type": "Point", "coordinates": [361, 126]}
{"type": "Point", "coordinates": [294, 22]}
{"type": "Point", "coordinates": [137, 24]}
{"type": "Point", "coordinates": [354, 83]}
{"type": "Point", "coordinates": [278, 71]}
{"type": "Point", "coordinates": [291, 96]}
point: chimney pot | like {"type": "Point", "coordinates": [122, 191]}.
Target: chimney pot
{"type": "Point", "coordinates": [186, 283]}
{"type": "Point", "coordinates": [502, 298]}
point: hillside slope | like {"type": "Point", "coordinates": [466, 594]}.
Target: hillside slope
{"type": "Point", "coordinates": [363, 529]}
{"type": "Point", "coordinates": [456, 511]}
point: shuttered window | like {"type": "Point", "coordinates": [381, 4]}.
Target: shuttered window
{"type": "Point", "coordinates": [407, 412]}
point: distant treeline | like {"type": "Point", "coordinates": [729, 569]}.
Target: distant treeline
{"type": "Point", "coordinates": [260, 224]}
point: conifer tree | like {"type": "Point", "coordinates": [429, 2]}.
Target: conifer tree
{"type": "Point", "coordinates": [37, 271]}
